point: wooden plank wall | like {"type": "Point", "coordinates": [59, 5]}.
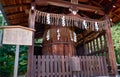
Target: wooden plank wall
{"type": "Point", "coordinates": [62, 66]}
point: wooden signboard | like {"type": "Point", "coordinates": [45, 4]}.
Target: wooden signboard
{"type": "Point", "coordinates": [17, 35]}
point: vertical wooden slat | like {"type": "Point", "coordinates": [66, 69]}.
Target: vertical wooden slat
{"type": "Point", "coordinates": [83, 58]}
{"type": "Point", "coordinates": [100, 69]}
{"type": "Point", "coordinates": [66, 63]}
{"type": "Point", "coordinates": [69, 68]}
{"type": "Point", "coordinates": [59, 66]}
{"type": "Point", "coordinates": [86, 65]}
{"type": "Point", "coordinates": [92, 66]}
{"type": "Point", "coordinates": [51, 66]}
{"type": "Point", "coordinates": [96, 66]}
{"type": "Point", "coordinates": [105, 64]}
{"type": "Point", "coordinates": [80, 73]}
{"type": "Point", "coordinates": [63, 69]}
{"type": "Point", "coordinates": [97, 43]}
{"type": "Point", "coordinates": [55, 66]}
{"type": "Point", "coordinates": [34, 64]}
{"type": "Point", "coordinates": [88, 48]}
{"type": "Point", "coordinates": [91, 47]}
{"type": "Point", "coordinates": [101, 42]}
{"type": "Point", "coordinates": [43, 66]}
{"type": "Point", "coordinates": [39, 66]}
{"type": "Point", "coordinates": [94, 46]}
{"type": "Point", "coordinates": [47, 66]}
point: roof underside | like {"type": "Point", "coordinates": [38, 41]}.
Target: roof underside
{"type": "Point", "coordinates": [15, 10]}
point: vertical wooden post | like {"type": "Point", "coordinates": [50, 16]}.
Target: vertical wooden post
{"type": "Point", "coordinates": [16, 63]}
{"type": "Point", "coordinates": [110, 54]}
{"type": "Point", "coordinates": [1, 37]}
{"type": "Point", "coordinates": [31, 48]}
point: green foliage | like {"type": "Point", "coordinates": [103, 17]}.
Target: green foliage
{"type": "Point", "coordinates": [1, 20]}
{"type": "Point", "coordinates": [116, 40]}
{"type": "Point", "coordinates": [7, 56]}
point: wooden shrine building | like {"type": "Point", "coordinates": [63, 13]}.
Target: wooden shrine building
{"type": "Point", "coordinates": [76, 35]}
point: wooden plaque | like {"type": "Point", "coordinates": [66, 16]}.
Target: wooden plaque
{"type": "Point", "coordinates": [17, 35]}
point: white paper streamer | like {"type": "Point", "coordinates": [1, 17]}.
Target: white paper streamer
{"type": "Point", "coordinates": [48, 35]}
{"type": "Point", "coordinates": [75, 37]}
{"type": "Point", "coordinates": [96, 26]}
{"type": "Point", "coordinates": [85, 24]}
{"type": "Point", "coordinates": [71, 36]}
{"type": "Point", "coordinates": [48, 18]}
{"type": "Point", "coordinates": [63, 21]}
{"type": "Point", "coordinates": [58, 34]}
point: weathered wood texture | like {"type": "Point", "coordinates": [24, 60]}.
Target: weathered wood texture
{"type": "Point", "coordinates": [13, 32]}
{"type": "Point", "coordinates": [62, 46]}
{"type": "Point", "coordinates": [31, 48]}
{"type": "Point", "coordinates": [111, 54]}
{"type": "Point", "coordinates": [68, 4]}
{"type": "Point", "coordinates": [64, 66]}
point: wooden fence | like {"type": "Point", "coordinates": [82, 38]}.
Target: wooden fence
{"type": "Point", "coordinates": [64, 66]}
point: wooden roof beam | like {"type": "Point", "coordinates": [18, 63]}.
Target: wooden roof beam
{"type": "Point", "coordinates": [68, 5]}
{"type": "Point", "coordinates": [110, 6]}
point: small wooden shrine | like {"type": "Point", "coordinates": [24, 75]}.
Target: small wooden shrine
{"type": "Point", "coordinates": [76, 35]}
{"type": "Point", "coordinates": [67, 36]}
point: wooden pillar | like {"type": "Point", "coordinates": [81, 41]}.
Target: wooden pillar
{"type": "Point", "coordinates": [110, 54]}
{"type": "Point", "coordinates": [31, 48]}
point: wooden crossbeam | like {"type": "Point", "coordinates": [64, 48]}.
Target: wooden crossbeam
{"type": "Point", "coordinates": [110, 6]}
{"type": "Point", "coordinates": [68, 5]}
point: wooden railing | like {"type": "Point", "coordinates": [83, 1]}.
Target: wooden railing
{"type": "Point", "coordinates": [64, 66]}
